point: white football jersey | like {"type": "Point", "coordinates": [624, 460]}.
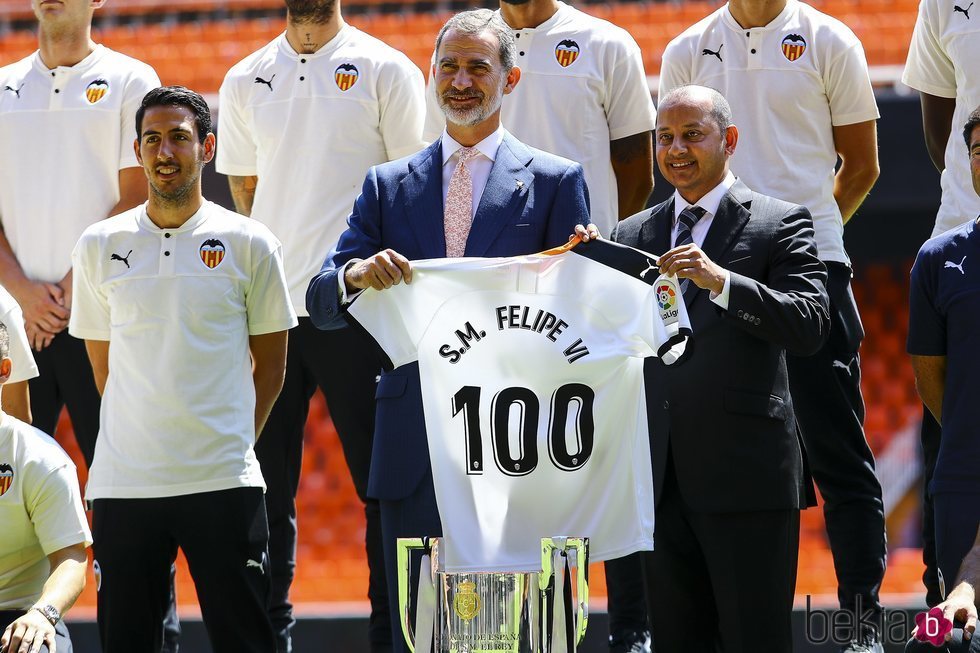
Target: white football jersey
{"type": "Point", "coordinates": [532, 385]}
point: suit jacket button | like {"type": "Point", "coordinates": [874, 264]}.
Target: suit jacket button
{"type": "Point", "coordinates": [739, 313]}
{"type": "Point", "coordinates": [758, 321]}
{"type": "Point", "coordinates": [666, 405]}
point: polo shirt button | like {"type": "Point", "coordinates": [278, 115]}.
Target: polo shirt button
{"type": "Point", "coordinates": [753, 50]}
{"type": "Point", "coordinates": [522, 53]}
{"type": "Point", "coordinates": [666, 405]}
{"type": "Point", "coordinates": [166, 253]}
{"type": "Point", "coordinates": [302, 60]}
{"type": "Point", "coordinates": [301, 78]}
{"type": "Point", "coordinates": [166, 235]}
{"type": "Point", "coordinates": [57, 90]}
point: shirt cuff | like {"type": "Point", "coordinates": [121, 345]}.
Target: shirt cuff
{"type": "Point", "coordinates": [721, 299]}
{"type": "Point", "coordinates": [342, 286]}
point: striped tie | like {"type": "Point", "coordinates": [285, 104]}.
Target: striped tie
{"type": "Point", "coordinates": [685, 223]}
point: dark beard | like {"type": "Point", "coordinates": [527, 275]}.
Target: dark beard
{"type": "Point", "coordinates": [311, 12]}
{"type": "Point", "coordinates": [177, 197]}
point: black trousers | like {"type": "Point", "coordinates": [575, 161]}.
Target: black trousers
{"type": "Point", "coordinates": [224, 536]}
{"type": "Point", "coordinates": [714, 579]}
{"type": "Point", "coordinates": [929, 434]}
{"type": "Point", "coordinates": [62, 639]}
{"type": "Point", "coordinates": [826, 390]}
{"type": "Point", "coordinates": [66, 380]}
{"type": "Point", "coordinates": [343, 364]}
{"type": "Point", "coordinates": [627, 604]}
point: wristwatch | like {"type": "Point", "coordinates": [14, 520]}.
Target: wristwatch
{"type": "Point", "coordinates": [50, 613]}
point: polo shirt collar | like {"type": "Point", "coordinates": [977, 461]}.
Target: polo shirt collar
{"type": "Point", "coordinates": [192, 223]}
{"type": "Point", "coordinates": [488, 146]}
{"type": "Point", "coordinates": [560, 15]}
{"type": "Point", "coordinates": [328, 48]}
{"type": "Point", "coordinates": [710, 201]}
{"type": "Point", "coordinates": [93, 57]}
{"type": "Point", "coordinates": [775, 23]}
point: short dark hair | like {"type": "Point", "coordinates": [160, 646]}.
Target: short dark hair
{"type": "Point", "coordinates": [971, 124]}
{"type": "Point", "coordinates": [4, 341]}
{"type": "Point", "coordinates": [477, 21]}
{"type": "Point", "coordinates": [177, 96]}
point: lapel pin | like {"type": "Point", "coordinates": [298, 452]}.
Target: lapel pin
{"type": "Point", "coordinates": [520, 184]}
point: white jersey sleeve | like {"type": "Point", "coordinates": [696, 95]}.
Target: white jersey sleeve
{"type": "Point", "coordinates": [142, 82]}
{"type": "Point", "coordinates": [849, 90]}
{"type": "Point", "coordinates": [402, 108]}
{"type": "Point", "coordinates": [21, 358]}
{"type": "Point", "coordinates": [237, 151]}
{"type": "Point", "coordinates": [929, 68]}
{"type": "Point", "coordinates": [89, 318]}
{"type": "Point", "coordinates": [629, 107]}
{"type": "Point", "coordinates": [267, 295]}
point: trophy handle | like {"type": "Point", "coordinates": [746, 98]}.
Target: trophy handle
{"type": "Point", "coordinates": [405, 546]}
{"type": "Point", "coordinates": [580, 545]}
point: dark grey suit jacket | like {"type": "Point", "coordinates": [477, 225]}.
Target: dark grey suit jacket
{"type": "Point", "coordinates": [726, 415]}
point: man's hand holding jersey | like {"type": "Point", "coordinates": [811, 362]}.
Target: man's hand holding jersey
{"type": "Point", "coordinates": [381, 271]}
{"type": "Point", "coordinates": [690, 262]}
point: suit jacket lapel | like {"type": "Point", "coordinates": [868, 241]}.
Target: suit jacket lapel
{"type": "Point", "coordinates": [655, 231]}
{"type": "Point", "coordinates": [422, 194]}
{"type": "Point", "coordinates": [504, 197]}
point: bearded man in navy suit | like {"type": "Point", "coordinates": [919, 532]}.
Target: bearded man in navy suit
{"type": "Point", "coordinates": [504, 199]}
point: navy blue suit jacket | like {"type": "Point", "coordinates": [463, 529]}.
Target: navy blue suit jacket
{"type": "Point", "coordinates": [532, 202]}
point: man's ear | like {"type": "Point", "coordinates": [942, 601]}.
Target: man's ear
{"type": "Point", "coordinates": [731, 139]}
{"type": "Point", "coordinates": [513, 77]}
{"type": "Point", "coordinates": [5, 368]}
{"type": "Point", "coordinates": [210, 143]}
{"type": "Point", "coordinates": [136, 148]}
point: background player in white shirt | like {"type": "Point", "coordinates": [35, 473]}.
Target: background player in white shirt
{"type": "Point", "coordinates": [301, 121]}
{"type": "Point", "coordinates": [16, 395]}
{"type": "Point", "coordinates": [45, 533]}
{"type": "Point", "coordinates": [193, 300]}
{"type": "Point", "coordinates": [584, 96]}
{"type": "Point", "coordinates": [66, 108]}
{"type": "Point", "coordinates": [798, 85]}
{"type": "Point", "coordinates": [942, 67]}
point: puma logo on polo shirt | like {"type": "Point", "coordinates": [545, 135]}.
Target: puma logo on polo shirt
{"type": "Point", "coordinates": [124, 259]}
{"type": "Point", "coordinates": [714, 53]}
{"type": "Point", "coordinates": [15, 91]}
{"type": "Point", "coordinates": [965, 12]}
{"type": "Point", "coordinates": [958, 266]}
{"type": "Point", "coordinates": [651, 267]}
{"type": "Point", "coordinates": [259, 80]}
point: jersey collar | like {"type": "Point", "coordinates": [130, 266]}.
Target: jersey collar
{"type": "Point", "coordinates": [192, 223]}
{"type": "Point", "coordinates": [328, 48]}
{"type": "Point", "coordinates": [777, 23]}
{"type": "Point", "coordinates": [79, 68]}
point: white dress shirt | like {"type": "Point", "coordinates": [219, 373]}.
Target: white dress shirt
{"type": "Point", "coordinates": [479, 166]}
{"type": "Point", "coordinates": [709, 202]}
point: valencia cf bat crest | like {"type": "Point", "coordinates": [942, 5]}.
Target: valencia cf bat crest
{"type": "Point", "coordinates": [346, 76]}
{"type": "Point", "coordinates": [6, 478]}
{"type": "Point", "coordinates": [794, 46]}
{"type": "Point", "coordinates": [96, 90]}
{"type": "Point", "coordinates": [212, 252]}
{"type": "Point", "coordinates": [567, 52]}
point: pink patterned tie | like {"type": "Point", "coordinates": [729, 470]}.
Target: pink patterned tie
{"type": "Point", "coordinates": [459, 204]}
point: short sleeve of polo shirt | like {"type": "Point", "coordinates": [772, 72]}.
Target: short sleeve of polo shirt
{"type": "Point", "coordinates": [927, 323]}
{"type": "Point", "coordinates": [54, 504]}
{"type": "Point", "coordinates": [237, 153]}
{"type": "Point", "coordinates": [848, 84]}
{"type": "Point", "coordinates": [629, 107]}
{"type": "Point", "coordinates": [928, 68]}
{"type": "Point", "coordinates": [21, 358]}
{"type": "Point", "coordinates": [673, 72]}
{"type": "Point", "coordinates": [402, 108]}
{"type": "Point", "coordinates": [90, 308]}
{"type": "Point", "coordinates": [143, 80]}
{"type": "Point", "coordinates": [267, 297]}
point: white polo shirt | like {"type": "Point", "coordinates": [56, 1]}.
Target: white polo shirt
{"type": "Point", "coordinates": [942, 61]}
{"type": "Point", "coordinates": [789, 83]}
{"type": "Point", "coordinates": [309, 126]}
{"type": "Point", "coordinates": [582, 86]}
{"type": "Point", "coordinates": [66, 134]}
{"type": "Point", "coordinates": [21, 358]}
{"type": "Point", "coordinates": [178, 307]}
{"type": "Point", "coordinates": [40, 509]}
